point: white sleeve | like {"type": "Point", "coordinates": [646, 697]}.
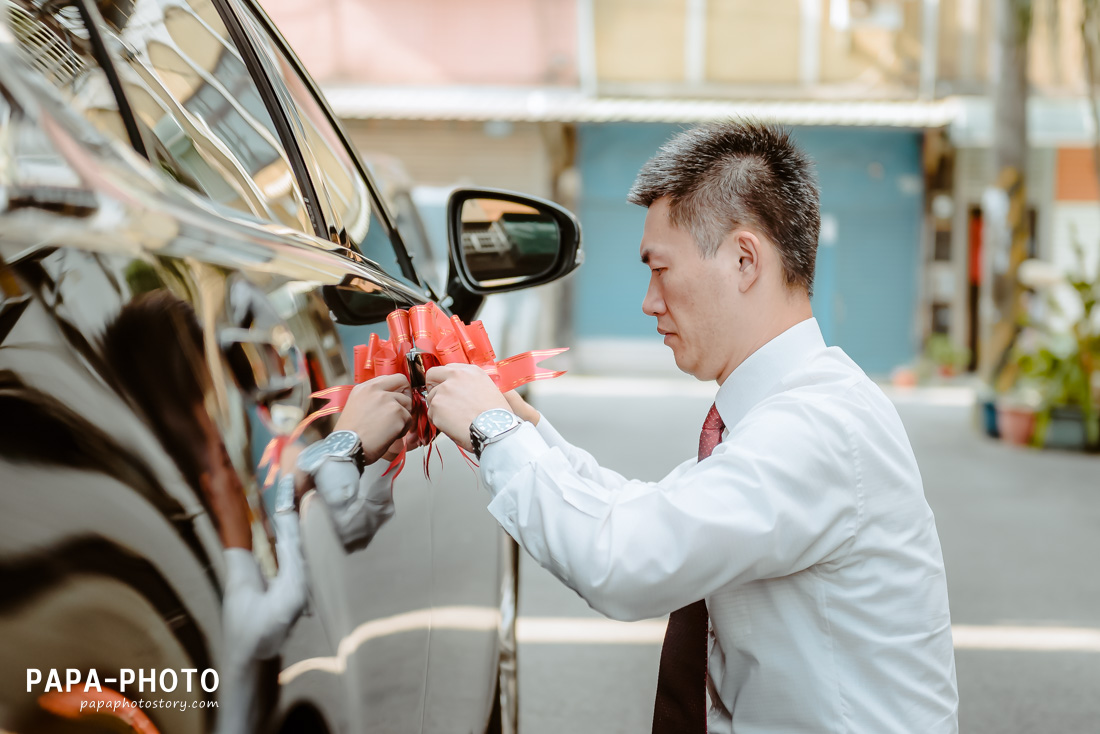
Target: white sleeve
{"type": "Point", "coordinates": [773, 499]}
{"type": "Point", "coordinates": [358, 505]}
{"type": "Point", "coordinates": [258, 620]}
{"type": "Point", "coordinates": [580, 460]}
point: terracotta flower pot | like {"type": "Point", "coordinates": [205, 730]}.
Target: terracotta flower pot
{"type": "Point", "coordinates": [1015, 424]}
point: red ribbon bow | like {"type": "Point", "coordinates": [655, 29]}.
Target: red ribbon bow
{"type": "Point", "coordinates": [429, 330]}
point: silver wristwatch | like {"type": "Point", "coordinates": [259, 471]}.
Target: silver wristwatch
{"type": "Point", "coordinates": [340, 445]}
{"type": "Point", "coordinates": [490, 426]}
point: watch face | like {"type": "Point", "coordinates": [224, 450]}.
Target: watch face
{"type": "Point", "coordinates": [342, 443]}
{"type": "Point", "coordinates": [338, 443]}
{"type": "Point", "coordinates": [492, 422]}
{"type": "Point", "coordinates": [311, 457]}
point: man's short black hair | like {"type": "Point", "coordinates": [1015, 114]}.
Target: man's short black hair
{"type": "Point", "coordinates": [723, 175]}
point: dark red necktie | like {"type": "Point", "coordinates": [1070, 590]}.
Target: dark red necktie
{"type": "Point", "coordinates": [681, 706]}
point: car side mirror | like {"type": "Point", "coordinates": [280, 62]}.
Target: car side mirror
{"type": "Point", "coordinates": [503, 241]}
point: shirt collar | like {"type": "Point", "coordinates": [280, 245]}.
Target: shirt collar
{"type": "Point", "coordinates": [756, 377]}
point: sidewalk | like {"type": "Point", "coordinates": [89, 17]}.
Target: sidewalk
{"type": "Point", "coordinates": [1020, 530]}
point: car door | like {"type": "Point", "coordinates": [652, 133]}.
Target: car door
{"type": "Point", "coordinates": [470, 556]}
{"type": "Point", "coordinates": [191, 59]}
{"type": "Point", "coordinates": [202, 119]}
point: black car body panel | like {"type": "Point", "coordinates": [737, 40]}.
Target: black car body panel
{"type": "Point", "coordinates": [144, 261]}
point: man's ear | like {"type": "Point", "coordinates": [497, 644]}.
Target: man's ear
{"type": "Point", "coordinates": [748, 249]}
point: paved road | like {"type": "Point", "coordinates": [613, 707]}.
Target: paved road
{"type": "Point", "coordinates": [1020, 533]}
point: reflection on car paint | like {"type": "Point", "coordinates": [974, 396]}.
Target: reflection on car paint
{"type": "Point", "coordinates": [153, 338]}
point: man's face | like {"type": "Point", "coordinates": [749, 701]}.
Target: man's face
{"type": "Point", "coordinates": [693, 299]}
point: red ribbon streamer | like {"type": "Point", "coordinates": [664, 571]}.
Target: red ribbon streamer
{"type": "Point", "coordinates": [428, 329]}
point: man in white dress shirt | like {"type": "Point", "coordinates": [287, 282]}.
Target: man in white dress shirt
{"type": "Point", "coordinates": [802, 523]}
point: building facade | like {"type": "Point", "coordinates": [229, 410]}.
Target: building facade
{"type": "Point", "coordinates": [568, 98]}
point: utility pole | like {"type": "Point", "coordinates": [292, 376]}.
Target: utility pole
{"type": "Point", "coordinates": [1004, 205]}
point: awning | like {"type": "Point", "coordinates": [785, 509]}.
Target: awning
{"type": "Point", "coordinates": [569, 105]}
{"type": "Point", "coordinates": [1051, 122]}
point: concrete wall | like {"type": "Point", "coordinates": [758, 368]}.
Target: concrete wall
{"type": "Point", "coordinates": [868, 270]}
{"type": "Point", "coordinates": [530, 42]}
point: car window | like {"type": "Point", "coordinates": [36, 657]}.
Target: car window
{"type": "Point", "coordinates": [51, 37]}
{"type": "Point", "coordinates": [394, 185]}
{"type": "Point", "coordinates": [345, 194]}
{"type": "Point", "coordinates": [202, 115]}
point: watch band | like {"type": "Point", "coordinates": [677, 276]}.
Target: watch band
{"type": "Point", "coordinates": [490, 426]}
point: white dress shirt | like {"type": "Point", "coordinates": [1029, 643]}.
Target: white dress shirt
{"type": "Point", "coordinates": [257, 618]}
{"type": "Point", "coordinates": [806, 531]}
{"type": "Point", "coordinates": [358, 505]}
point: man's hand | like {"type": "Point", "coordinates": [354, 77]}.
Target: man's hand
{"type": "Point", "coordinates": [522, 408]}
{"type": "Point", "coordinates": [457, 394]}
{"type": "Point", "coordinates": [380, 411]}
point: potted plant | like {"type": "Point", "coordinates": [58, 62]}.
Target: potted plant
{"type": "Point", "coordinates": [1065, 410]}
{"type": "Point", "coordinates": [945, 356]}
{"type": "Point", "coordinates": [1016, 414]}
{"type": "Point", "coordinates": [1059, 352]}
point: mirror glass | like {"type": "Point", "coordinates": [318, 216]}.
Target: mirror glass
{"type": "Point", "coordinates": [358, 302]}
{"type": "Point", "coordinates": [505, 242]}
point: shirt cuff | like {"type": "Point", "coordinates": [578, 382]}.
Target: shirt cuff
{"type": "Point", "coordinates": [337, 480]}
{"type": "Point", "coordinates": [550, 434]}
{"type": "Point", "coordinates": [503, 459]}
{"type": "Point", "coordinates": [376, 487]}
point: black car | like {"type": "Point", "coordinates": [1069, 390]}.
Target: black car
{"type": "Point", "coordinates": [189, 249]}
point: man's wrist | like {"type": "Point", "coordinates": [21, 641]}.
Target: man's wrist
{"type": "Point", "coordinates": [339, 445]}
{"type": "Point", "coordinates": [502, 460]}
{"type": "Point", "coordinates": [490, 426]}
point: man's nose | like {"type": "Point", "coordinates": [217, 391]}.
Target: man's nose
{"type": "Point", "coordinates": [653, 304]}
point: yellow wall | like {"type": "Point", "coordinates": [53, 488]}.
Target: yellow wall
{"type": "Point", "coordinates": [749, 41]}
{"type": "Point", "coordinates": [758, 42]}
{"type": "Point", "coordinates": [640, 40]}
